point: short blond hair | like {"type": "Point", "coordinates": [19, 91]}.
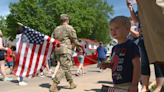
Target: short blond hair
{"type": "Point", "coordinates": [122, 20]}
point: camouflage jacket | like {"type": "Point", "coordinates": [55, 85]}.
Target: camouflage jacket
{"type": "Point", "coordinates": [66, 35]}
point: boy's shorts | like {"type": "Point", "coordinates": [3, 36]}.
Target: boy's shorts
{"type": "Point", "coordinates": [10, 63]}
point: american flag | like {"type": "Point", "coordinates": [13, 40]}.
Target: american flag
{"type": "Point", "coordinates": [34, 49]}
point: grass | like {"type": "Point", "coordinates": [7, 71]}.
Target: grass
{"type": "Point", "coordinates": [153, 88]}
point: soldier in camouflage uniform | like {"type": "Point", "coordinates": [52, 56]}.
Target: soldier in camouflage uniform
{"type": "Point", "coordinates": [66, 35]}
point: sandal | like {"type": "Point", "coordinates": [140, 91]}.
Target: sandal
{"type": "Point", "coordinates": [77, 74]}
{"type": "Point", "coordinates": [84, 73]}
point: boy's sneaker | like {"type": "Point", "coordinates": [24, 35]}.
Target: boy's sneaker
{"type": "Point", "coordinates": [0, 73]}
{"type": "Point", "coordinates": [103, 70]}
{"type": "Point", "coordinates": [7, 79]}
{"type": "Point", "coordinates": [22, 83]}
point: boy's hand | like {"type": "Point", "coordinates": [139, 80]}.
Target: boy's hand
{"type": "Point", "coordinates": [133, 88]}
{"type": "Point", "coordinates": [103, 65]}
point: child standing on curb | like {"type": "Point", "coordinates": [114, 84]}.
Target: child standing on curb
{"type": "Point", "coordinates": [125, 58]}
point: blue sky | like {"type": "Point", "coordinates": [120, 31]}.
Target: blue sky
{"type": "Point", "coordinates": [120, 7]}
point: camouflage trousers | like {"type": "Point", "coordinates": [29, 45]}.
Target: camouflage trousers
{"type": "Point", "coordinates": [64, 69]}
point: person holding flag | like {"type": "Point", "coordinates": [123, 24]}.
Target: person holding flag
{"type": "Point", "coordinates": [18, 38]}
{"type": "Point", "coordinates": [65, 34]}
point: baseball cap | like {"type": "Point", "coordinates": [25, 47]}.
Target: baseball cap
{"type": "Point", "coordinates": [64, 16]}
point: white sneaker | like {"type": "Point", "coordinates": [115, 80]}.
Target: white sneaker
{"type": "Point", "coordinates": [22, 83]}
{"type": "Point", "coordinates": [0, 73]}
{"type": "Point", "coordinates": [50, 70]}
{"type": "Point", "coordinates": [100, 70]}
{"type": "Point", "coordinates": [53, 76]}
{"type": "Point", "coordinates": [7, 79]}
{"type": "Point", "coordinates": [43, 75]}
{"type": "Point", "coordinates": [104, 70]}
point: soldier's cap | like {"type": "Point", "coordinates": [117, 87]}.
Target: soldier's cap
{"type": "Point", "coordinates": [64, 16]}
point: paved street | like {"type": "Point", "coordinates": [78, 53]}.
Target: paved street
{"type": "Point", "coordinates": [91, 82]}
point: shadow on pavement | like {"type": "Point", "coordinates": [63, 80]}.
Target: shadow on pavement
{"type": "Point", "coordinates": [47, 85]}
{"type": "Point", "coordinates": [96, 90]}
{"type": "Point", "coordinates": [14, 81]}
{"type": "Point", "coordinates": [1, 79]}
{"type": "Point", "coordinates": [106, 82]}
{"type": "Point", "coordinates": [93, 71]}
{"type": "Point", "coordinates": [49, 77]}
{"type": "Point", "coordinates": [73, 70]}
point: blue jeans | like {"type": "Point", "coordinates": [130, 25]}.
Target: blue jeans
{"type": "Point", "coordinates": [21, 79]}
{"type": "Point", "coordinates": [49, 63]}
{"type": "Point", "coordinates": [98, 62]}
{"type": "Point", "coordinates": [145, 65]}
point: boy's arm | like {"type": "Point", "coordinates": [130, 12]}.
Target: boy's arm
{"type": "Point", "coordinates": [136, 70]}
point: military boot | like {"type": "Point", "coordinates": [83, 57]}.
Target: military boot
{"type": "Point", "coordinates": [53, 87]}
{"type": "Point", "coordinates": [72, 85]}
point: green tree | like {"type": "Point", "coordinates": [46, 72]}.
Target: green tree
{"type": "Point", "coordinates": [88, 17]}
{"type": "Point", "coordinates": [3, 26]}
{"type": "Point", "coordinates": [101, 31]}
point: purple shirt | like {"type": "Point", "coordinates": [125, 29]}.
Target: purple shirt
{"type": "Point", "coordinates": [83, 47]}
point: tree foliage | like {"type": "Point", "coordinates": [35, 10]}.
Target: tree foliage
{"type": "Point", "coordinates": [88, 17]}
{"type": "Point", "coordinates": [3, 26]}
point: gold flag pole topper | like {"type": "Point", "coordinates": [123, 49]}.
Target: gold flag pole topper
{"type": "Point", "coordinates": [19, 23]}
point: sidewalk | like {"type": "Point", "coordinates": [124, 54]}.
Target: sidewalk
{"type": "Point", "coordinates": [91, 82]}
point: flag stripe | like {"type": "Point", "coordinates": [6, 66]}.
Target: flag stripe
{"type": "Point", "coordinates": [24, 60]}
{"type": "Point", "coordinates": [34, 60]}
{"type": "Point", "coordinates": [45, 54]}
{"type": "Point", "coordinates": [36, 66]}
{"type": "Point", "coordinates": [17, 59]}
{"type": "Point", "coordinates": [28, 60]}
{"type": "Point", "coordinates": [32, 55]}
{"type": "Point", "coordinates": [21, 57]}
{"type": "Point", "coordinates": [42, 56]}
